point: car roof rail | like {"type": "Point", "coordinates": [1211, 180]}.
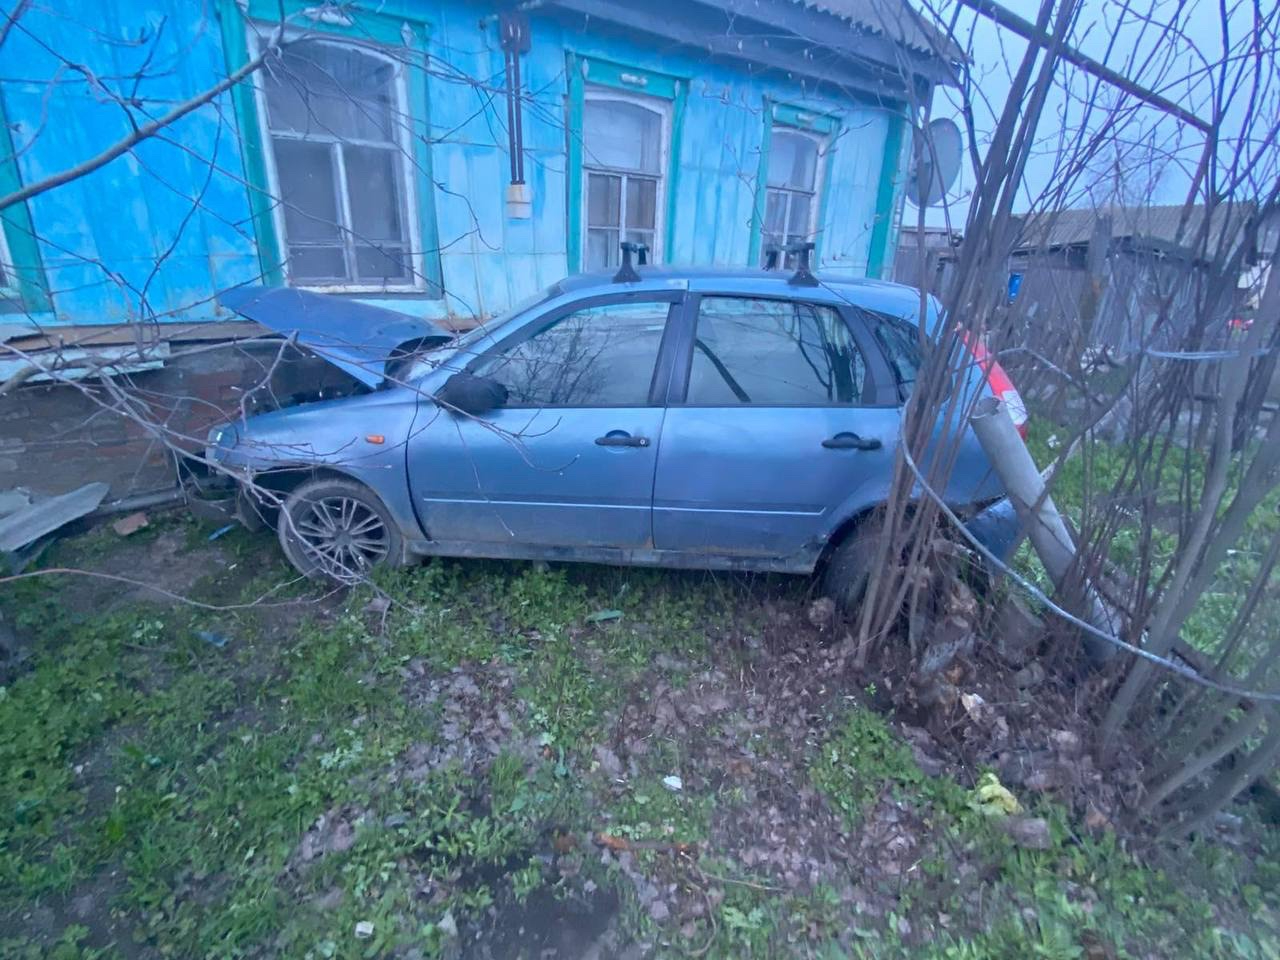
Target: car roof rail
{"type": "Point", "coordinates": [803, 277]}
{"type": "Point", "coordinates": [627, 273]}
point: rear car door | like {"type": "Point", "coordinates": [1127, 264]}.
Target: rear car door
{"type": "Point", "coordinates": [569, 460]}
{"type": "Point", "coordinates": [781, 411]}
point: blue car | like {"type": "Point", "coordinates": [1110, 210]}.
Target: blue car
{"type": "Point", "coordinates": [690, 418]}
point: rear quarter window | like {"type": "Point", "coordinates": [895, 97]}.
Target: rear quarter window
{"type": "Point", "coordinates": [899, 339]}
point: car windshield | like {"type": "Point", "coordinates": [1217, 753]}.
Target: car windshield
{"type": "Point", "coordinates": [489, 327]}
{"type": "Point", "coordinates": [424, 362]}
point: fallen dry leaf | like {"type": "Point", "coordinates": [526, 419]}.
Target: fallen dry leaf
{"type": "Point", "coordinates": [611, 842]}
{"type": "Point", "coordinates": [564, 842]}
{"type": "Point", "coordinates": [131, 524]}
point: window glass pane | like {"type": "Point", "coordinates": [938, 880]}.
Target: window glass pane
{"type": "Point", "coordinates": [773, 352]}
{"type": "Point", "coordinates": [798, 228]}
{"type": "Point", "coordinates": [793, 160]}
{"type": "Point", "coordinates": [326, 90]}
{"type": "Point", "coordinates": [642, 200]}
{"type": "Point", "coordinates": [382, 264]}
{"type": "Point", "coordinates": [900, 340]}
{"type": "Point", "coordinates": [600, 356]}
{"type": "Point", "coordinates": [602, 249]}
{"type": "Point", "coordinates": [308, 191]}
{"type": "Point", "coordinates": [317, 265]}
{"type": "Point", "coordinates": [622, 136]}
{"type": "Point", "coordinates": [775, 224]}
{"type": "Point", "coordinates": [775, 213]}
{"type": "Point", "coordinates": [373, 188]}
{"type": "Point", "coordinates": [604, 204]}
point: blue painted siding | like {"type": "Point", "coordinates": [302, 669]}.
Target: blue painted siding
{"type": "Point", "coordinates": [155, 233]}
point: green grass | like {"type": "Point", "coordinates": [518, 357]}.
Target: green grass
{"type": "Point", "coordinates": [183, 782]}
{"type": "Point", "coordinates": [1083, 488]}
{"type": "Point", "coordinates": [1085, 889]}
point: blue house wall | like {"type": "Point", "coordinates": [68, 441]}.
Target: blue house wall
{"type": "Point", "coordinates": [152, 235]}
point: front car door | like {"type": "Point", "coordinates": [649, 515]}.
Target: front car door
{"type": "Point", "coordinates": [782, 414]}
{"type": "Point", "coordinates": [569, 460]}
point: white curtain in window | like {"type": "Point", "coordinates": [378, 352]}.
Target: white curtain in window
{"type": "Point", "coordinates": [791, 192]}
{"type": "Point", "coordinates": [622, 157]}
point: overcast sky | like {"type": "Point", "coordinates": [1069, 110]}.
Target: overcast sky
{"type": "Point", "coordinates": [1135, 46]}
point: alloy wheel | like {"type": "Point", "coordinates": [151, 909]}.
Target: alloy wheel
{"type": "Point", "coordinates": [344, 536]}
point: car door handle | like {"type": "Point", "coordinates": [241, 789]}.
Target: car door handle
{"type": "Point", "coordinates": [620, 439]}
{"type": "Point", "coordinates": [851, 441]}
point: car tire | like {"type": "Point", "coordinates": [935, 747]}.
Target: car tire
{"type": "Point", "coordinates": [849, 567]}
{"type": "Point", "coordinates": [337, 530]}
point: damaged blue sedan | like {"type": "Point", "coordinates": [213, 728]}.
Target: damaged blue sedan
{"type": "Point", "coordinates": [680, 418]}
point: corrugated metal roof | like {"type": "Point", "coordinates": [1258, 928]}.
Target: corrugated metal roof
{"type": "Point", "coordinates": [1158, 224]}
{"type": "Point", "coordinates": [896, 19]}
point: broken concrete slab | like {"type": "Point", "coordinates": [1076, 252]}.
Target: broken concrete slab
{"type": "Point", "coordinates": [34, 521]}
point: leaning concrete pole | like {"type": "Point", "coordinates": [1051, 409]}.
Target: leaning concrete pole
{"type": "Point", "coordinates": [1045, 527]}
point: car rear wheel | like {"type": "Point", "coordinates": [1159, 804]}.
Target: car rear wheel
{"type": "Point", "coordinates": [849, 567]}
{"type": "Point", "coordinates": [337, 530]}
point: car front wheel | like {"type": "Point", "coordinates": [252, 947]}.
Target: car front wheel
{"type": "Point", "coordinates": [337, 530]}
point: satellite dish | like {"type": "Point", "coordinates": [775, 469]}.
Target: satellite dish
{"type": "Point", "coordinates": [936, 153]}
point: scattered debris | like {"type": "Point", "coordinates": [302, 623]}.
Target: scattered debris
{"type": "Point", "coordinates": [992, 797]}
{"type": "Point", "coordinates": [131, 524]}
{"type": "Point", "coordinates": [364, 930]}
{"type": "Point", "coordinates": [28, 524]}
{"type": "Point", "coordinates": [673, 783]}
{"type": "Point", "coordinates": [601, 616]}
{"type": "Point", "coordinates": [218, 640]}
{"type": "Point", "coordinates": [221, 532]}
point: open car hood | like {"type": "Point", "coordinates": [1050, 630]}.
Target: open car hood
{"type": "Point", "coordinates": [353, 336]}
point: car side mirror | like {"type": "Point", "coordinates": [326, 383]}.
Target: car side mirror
{"type": "Point", "coordinates": [471, 395]}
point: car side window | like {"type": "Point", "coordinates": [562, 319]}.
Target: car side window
{"type": "Point", "coordinates": [599, 356]}
{"type": "Point", "coordinates": [765, 352]}
{"type": "Point", "coordinates": [899, 339]}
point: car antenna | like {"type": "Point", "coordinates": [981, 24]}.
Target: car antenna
{"type": "Point", "coordinates": [627, 273]}
{"type": "Point", "coordinates": [771, 258]}
{"type": "Point", "coordinates": [803, 277]}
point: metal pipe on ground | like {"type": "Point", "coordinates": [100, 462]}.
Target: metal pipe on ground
{"type": "Point", "coordinates": [1039, 516]}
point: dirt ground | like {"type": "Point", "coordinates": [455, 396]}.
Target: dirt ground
{"type": "Point", "coordinates": [210, 758]}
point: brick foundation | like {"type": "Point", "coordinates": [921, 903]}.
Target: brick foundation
{"type": "Point", "coordinates": [56, 437]}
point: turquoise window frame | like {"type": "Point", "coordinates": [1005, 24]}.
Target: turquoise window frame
{"type": "Point", "coordinates": [634, 80]}
{"type": "Point", "coordinates": [367, 26]}
{"type": "Point", "coordinates": [30, 291]}
{"type": "Point", "coordinates": [892, 169]}
{"type": "Point", "coordinates": [796, 118]}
